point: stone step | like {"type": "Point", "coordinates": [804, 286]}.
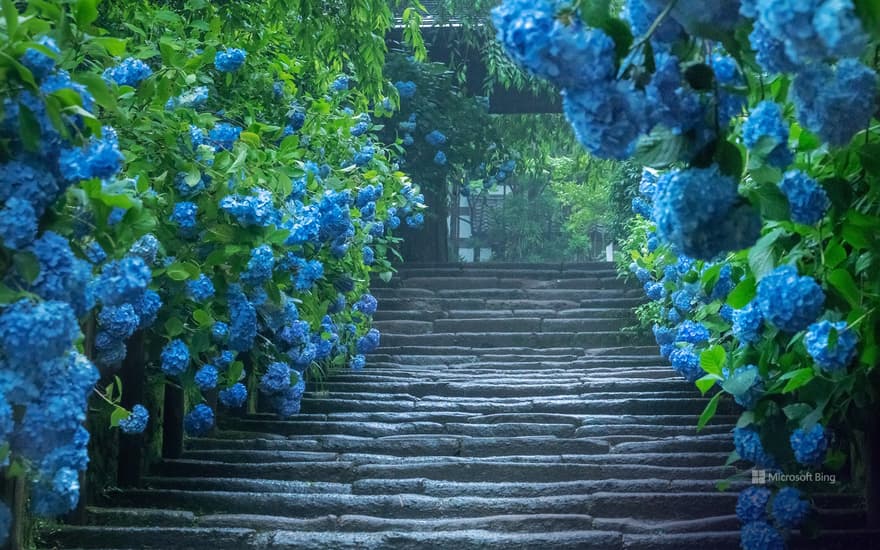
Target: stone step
{"type": "Point", "coordinates": [700, 466]}
{"type": "Point", "coordinates": [531, 393]}
{"type": "Point", "coordinates": [498, 405]}
{"type": "Point", "coordinates": [154, 517]}
{"type": "Point", "coordinates": [491, 304]}
{"type": "Point", "coordinates": [660, 505]}
{"type": "Point", "coordinates": [507, 339]}
{"type": "Point", "coordinates": [574, 386]}
{"type": "Point", "coordinates": [474, 282]}
{"type": "Point", "coordinates": [534, 523]}
{"type": "Point", "coordinates": [251, 456]}
{"type": "Point", "coordinates": [579, 295]}
{"type": "Point", "coordinates": [432, 540]}
{"type": "Point", "coordinates": [541, 313]}
{"type": "Point", "coordinates": [439, 445]}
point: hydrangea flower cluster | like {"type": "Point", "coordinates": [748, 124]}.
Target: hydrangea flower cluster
{"type": "Point", "coordinates": [229, 60]}
{"type": "Point", "coordinates": [130, 72]}
{"type": "Point", "coordinates": [809, 446]}
{"type": "Point", "coordinates": [697, 211]}
{"type": "Point", "coordinates": [766, 133]}
{"type": "Point", "coordinates": [806, 197]}
{"type": "Point", "coordinates": [789, 302]}
{"type": "Point", "coordinates": [749, 447]}
{"type": "Point", "coordinates": [831, 354]}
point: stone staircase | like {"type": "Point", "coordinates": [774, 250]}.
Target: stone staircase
{"type": "Point", "coordinates": [506, 409]}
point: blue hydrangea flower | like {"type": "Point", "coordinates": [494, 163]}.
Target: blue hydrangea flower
{"type": "Point", "coordinates": [130, 72]}
{"type": "Point", "coordinates": [641, 14]}
{"type": "Point", "coordinates": [831, 354]}
{"type": "Point", "coordinates": [695, 211]}
{"type": "Point", "coordinates": [175, 358]}
{"type": "Point", "coordinates": [201, 289]}
{"type": "Point", "coordinates": [35, 332]}
{"type": "Point", "coordinates": [260, 266]}
{"type": "Point", "coordinates": [673, 103]}
{"type": "Point", "coordinates": [365, 155]}
{"type": "Point", "coordinates": [369, 342]}
{"type": "Point", "coordinates": [436, 138]}
{"type": "Point", "coordinates": [358, 362]}
{"type": "Point", "coordinates": [62, 275]}
{"type": "Point", "coordinates": [726, 313]}
{"type": "Point", "coordinates": [440, 158]}
{"type": "Point", "coordinates": [219, 331]}
{"type": "Point", "coordinates": [838, 26]}
{"type": "Point", "coordinates": [366, 305]}
{"type": "Point", "coordinates": [770, 51]}
{"type": "Point", "coordinates": [752, 504]}
{"type": "Point", "coordinates": [123, 281]}
{"type": "Point", "coordinates": [359, 129]}
{"type": "Point", "coordinates": [663, 335]}
{"type": "Point", "coordinates": [807, 199]}
{"type": "Point", "coordinates": [341, 84]}
{"type": "Point", "coordinates": [415, 221]}
{"type": "Point", "coordinates": [99, 158]}
{"type": "Point", "coordinates": [147, 247]}
{"type": "Point", "coordinates": [692, 333]}
{"type": "Point", "coordinates": [56, 495]}
{"type": "Point", "coordinates": [607, 119]}
{"type": "Point", "coordinates": [569, 55]}
{"type": "Point", "coordinates": [184, 215]}
{"type": "Point", "coordinates": [407, 90]}
{"type": "Point", "coordinates": [40, 64]}
{"type": "Point", "coordinates": [683, 300]}
{"type": "Point", "coordinates": [760, 535]}
{"type": "Point", "coordinates": [229, 60]}
{"type": "Point", "coordinates": [243, 320]}
{"type": "Point", "coordinates": [308, 273]}
{"type": "Point", "coordinates": [18, 224]}
{"type": "Point", "coordinates": [809, 446]}
{"type": "Point", "coordinates": [234, 396]}
{"type": "Point", "coordinates": [835, 102]}
{"type": "Point", "coordinates": [199, 421]}
{"type": "Point", "coordinates": [94, 253]}
{"type": "Point", "coordinates": [368, 255]}
{"type": "Point", "coordinates": [147, 308]}
{"type": "Point", "coordinates": [748, 323]}
{"type": "Point", "coordinates": [749, 447]}
{"type": "Point", "coordinates": [789, 509]}
{"type": "Point", "coordinates": [206, 377]}
{"type": "Point", "coordinates": [788, 302]}
{"type": "Point", "coordinates": [642, 208]}
{"type": "Point", "coordinates": [61, 80]}
{"type": "Point", "coordinates": [118, 321]}
{"type": "Point", "coordinates": [686, 363]}
{"type": "Point", "coordinates": [28, 182]}
{"type": "Point", "coordinates": [225, 359]}
{"type": "Point", "coordinates": [655, 291]}
{"type": "Point", "coordinates": [223, 135]}
{"type": "Point", "coordinates": [116, 216]}
{"type": "Point", "coordinates": [136, 421]}
{"type": "Point", "coordinates": [724, 284]}
{"type": "Point", "coordinates": [276, 378]}
{"type": "Point", "coordinates": [765, 132]}
{"type": "Point", "coordinates": [256, 210]}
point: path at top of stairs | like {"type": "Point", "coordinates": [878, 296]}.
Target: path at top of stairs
{"type": "Point", "coordinates": [506, 408]}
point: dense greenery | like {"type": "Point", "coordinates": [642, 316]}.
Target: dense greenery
{"type": "Point", "coordinates": [186, 176]}
{"type": "Point", "coordinates": [756, 238]}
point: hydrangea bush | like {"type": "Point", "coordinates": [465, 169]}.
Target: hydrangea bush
{"type": "Point", "coordinates": [190, 184]}
{"type": "Point", "coordinates": [754, 229]}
